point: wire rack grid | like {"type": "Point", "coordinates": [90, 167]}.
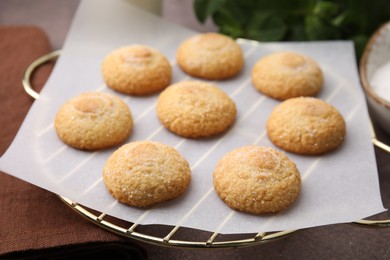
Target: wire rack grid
{"type": "Point", "coordinates": [168, 237]}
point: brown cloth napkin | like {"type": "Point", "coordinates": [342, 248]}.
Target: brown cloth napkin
{"type": "Point", "coordinates": [34, 223]}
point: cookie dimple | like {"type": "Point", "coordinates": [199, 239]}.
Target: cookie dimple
{"type": "Point", "coordinates": [136, 70]}
{"type": "Point", "coordinates": [210, 56]}
{"type": "Point", "coordinates": [136, 55]}
{"type": "Point", "coordinates": [92, 104]}
{"type": "Point", "coordinates": [211, 41]}
{"type": "Point", "coordinates": [284, 75]}
{"type": "Point", "coordinates": [306, 125]}
{"type": "Point", "coordinates": [195, 109]}
{"type": "Point", "coordinates": [145, 173]}
{"type": "Point", "coordinates": [257, 179]}
{"type": "Point", "coordinates": [93, 120]}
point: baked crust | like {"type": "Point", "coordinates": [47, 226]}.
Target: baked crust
{"type": "Point", "coordinates": [257, 179]}
{"type": "Point", "coordinates": [210, 56]}
{"type": "Point", "coordinates": [195, 109]}
{"type": "Point", "coordinates": [136, 70]}
{"type": "Point", "coordinates": [93, 121]}
{"type": "Point", "coordinates": [306, 125]}
{"type": "Point", "coordinates": [285, 75]}
{"type": "Point", "coordinates": [144, 173]}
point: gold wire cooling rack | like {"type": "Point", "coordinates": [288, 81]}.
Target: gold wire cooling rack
{"type": "Point", "coordinates": [199, 239]}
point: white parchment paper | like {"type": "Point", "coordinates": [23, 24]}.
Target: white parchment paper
{"type": "Point", "coordinates": [338, 187]}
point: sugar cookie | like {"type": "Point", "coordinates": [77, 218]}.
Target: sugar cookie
{"type": "Point", "coordinates": [306, 125]}
{"type": "Point", "coordinates": [144, 173]}
{"type": "Point", "coordinates": [93, 120]}
{"type": "Point", "coordinates": [195, 109]}
{"type": "Point", "coordinates": [257, 179]}
{"type": "Point", "coordinates": [211, 56]}
{"type": "Point", "coordinates": [136, 70]}
{"type": "Point", "coordinates": [285, 75]}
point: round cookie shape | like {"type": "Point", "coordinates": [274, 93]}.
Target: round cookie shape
{"type": "Point", "coordinates": [306, 125]}
{"type": "Point", "coordinates": [93, 121]}
{"type": "Point", "coordinates": [210, 56]}
{"type": "Point", "coordinates": [144, 173]}
{"type": "Point", "coordinates": [195, 109]}
{"type": "Point", "coordinates": [257, 180]}
{"type": "Point", "coordinates": [136, 70]}
{"type": "Point", "coordinates": [284, 75]}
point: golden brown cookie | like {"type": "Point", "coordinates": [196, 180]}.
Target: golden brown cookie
{"type": "Point", "coordinates": [257, 179]}
{"type": "Point", "coordinates": [93, 120]}
{"type": "Point", "coordinates": [306, 125]}
{"type": "Point", "coordinates": [284, 75]}
{"type": "Point", "coordinates": [195, 109]}
{"type": "Point", "coordinates": [211, 56]}
{"type": "Point", "coordinates": [144, 173]}
{"type": "Point", "coordinates": [136, 70]}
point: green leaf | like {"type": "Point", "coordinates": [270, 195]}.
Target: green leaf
{"type": "Point", "coordinates": [318, 29]}
{"type": "Point", "coordinates": [285, 6]}
{"type": "Point", "coordinates": [326, 9]}
{"type": "Point", "coordinates": [206, 8]}
{"type": "Point", "coordinates": [240, 12]}
{"type": "Point", "coordinates": [227, 23]}
{"type": "Point", "coordinates": [296, 32]}
{"type": "Point", "coordinates": [266, 27]}
{"type": "Point", "coordinates": [234, 32]}
{"type": "Point", "coordinates": [340, 20]}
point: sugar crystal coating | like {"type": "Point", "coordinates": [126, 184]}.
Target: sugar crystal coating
{"type": "Point", "coordinates": [145, 173]}
{"type": "Point", "coordinates": [306, 125]}
{"type": "Point", "coordinates": [195, 109]}
{"type": "Point", "coordinates": [257, 179]}
{"type": "Point", "coordinates": [93, 120]}
{"type": "Point", "coordinates": [210, 56]}
{"type": "Point", "coordinates": [284, 75]}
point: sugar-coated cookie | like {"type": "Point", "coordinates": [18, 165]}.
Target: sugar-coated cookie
{"type": "Point", "coordinates": [210, 56]}
{"type": "Point", "coordinates": [306, 125]}
{"type": "Point", "coordinates": [284, 75]}
{"type": "Point", "coordinates": [257, 179]}
{"type": "Point", "coordinates": [136, 70]}
{"type": "Point", "coordinates": [195, 109]}
{"type": "Point", "coordinates": [93, 120]}
{"type": "Point", "coordinates": [144, 173]}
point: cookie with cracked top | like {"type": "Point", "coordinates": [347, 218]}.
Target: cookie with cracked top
{"type": "Point", "coordinates": [145, 173]}
{"type": "Point", "coordinates": [93, 121]}
{"type": "Point", "coordinates": [306, 125]}
{"type": "Point", "coordinates": [136, 70]}
{"type": "Point", "coordinates": [284, 75]}
{"type": "Point", "coordinates": [211, 56]}
{"type": "Point", "coordinates": [195, 109]}
{"type": "Point", "coordinates": [257, 179]}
